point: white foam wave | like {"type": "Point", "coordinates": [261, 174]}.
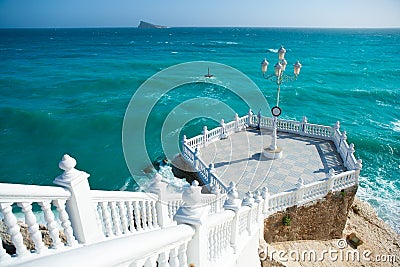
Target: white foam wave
{"type": "Point", "coordinates": [396, 126]}
{"type": "Point", "coordinates": [379, 194]}
{"type": "Point", "coordinates": [272, 50]}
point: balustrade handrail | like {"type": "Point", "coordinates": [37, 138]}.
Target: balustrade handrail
{"type": "Point", "coordinates": [219, 218]}
{"type": "Point", "coordinates": [124, 250]}
{"type": "Point", "coordinates": [100, 195]}
{"type": "Point", "coordinates": [31, 193]}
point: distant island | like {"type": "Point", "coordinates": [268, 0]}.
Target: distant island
{"type": "Point", "coordinates": [147, 25]}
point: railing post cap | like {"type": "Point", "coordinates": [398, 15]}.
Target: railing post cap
{"type": "Point", "coordinates": [236, 116]}
{"type": "Point", "coordinates": [211, 167]}
{"type": "Point", "coordinates": [305, 119]}
{"type": "Point", "coordinates": [67, 163]}
{"type": "Point", "coordinates": [337, 125]}
{"type": "Point", "coordinates": [222, 121]}
{"type": "Point", "coordinates": [70, 176]}
{"type": "Point", "coordinates": [215, 189]}
{"type": "Point", "coordinates": [248, 200]}
{"type": "Point", "coordinates": [257, 196]}
{"type": "Point", "coordinates": [232, 202]}
{"type": "Point", "coordinates": [157, 186]}
{"type": "Point", "coordinates": [300, 183]}
{"type": "Point", "coordinates": [192, 211]}
{"type": "Point", "coordinates": [264, 192]}
{"type": "Point", "coordinates": [344, 135]}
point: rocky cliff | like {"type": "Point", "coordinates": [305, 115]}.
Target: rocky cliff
{"type": "Point", "coordinates": [147, 25]}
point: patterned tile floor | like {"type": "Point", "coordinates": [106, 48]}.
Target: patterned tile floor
{"type": "Point", "coordinates": [238, 158]}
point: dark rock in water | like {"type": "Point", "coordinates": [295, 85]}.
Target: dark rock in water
{"type": "Point", "coordinates": [182, 169]}
{"type": "Point", "coordinates": [147, 25]}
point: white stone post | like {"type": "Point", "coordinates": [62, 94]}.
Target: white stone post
{"type": "Point", "coordinates": [250, 116]}
{"type": "Point", "coordinates": [358, 169]}
{"type": "Point", "coordinates": [260, 218]}
{"type": "Point", "coordinates": [196, 158]}
{"type": "Point", "coordinates": [159, 188]}
{"type": "Point", "coordinates": [193, 213]}
{"type": "Point", "coordinates": [237, 127]}
{"type": "Point", "coordinates": [218, 198]}
{"type": "Point", "coordinates": [80, 206]}
{"type": "Point", "coordinates": [205, 138]}
{"type": "Point", "coordinates": [211, 171]}
{"type": "Point", "coordinates": [265, 195]}
{"type": "Point", "coordinates": [330, 176]}
{"type": "Point", "coordinates": [224, 133]}
{"type": "Point", "coordinates": [303, 126]}
{"type": "Point", "coordinates": [350, 152]}
{"type": "Point", "coordinates": [259, 120]}
{"type": "Point", "coordinates": [249, 202]}
{"type": "Point", "coordinates": [299, 192]}
{"type": "Point", "coordinates": [343, 139]}
{"type": "Point", "coordinates": [234, 204]}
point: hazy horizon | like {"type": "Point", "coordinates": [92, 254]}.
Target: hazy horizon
{"type": "Point", "coordinates": [207, 13]}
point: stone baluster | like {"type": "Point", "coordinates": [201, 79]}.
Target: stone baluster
{"type": "Point", "coordinates": [205, 138]}
{"type": "Point", "coordinates": [250, 116]}
{"type": "Point", "coordinates": [173, 257]}
{"type": "Point", "coordinates": [265, 195]}
{"type": "Point", "coordinates": [299, 190]}
{"type": "Point", "coordinates": [330, 176]}
{"type": "Point", "coordinates": [183, 257]}
{"type": "Point", "coordinates": [233, 203]}
{"type": "Point", "coordinates": [4, 257]}
{"type": "Point", "coordinates": [192, 212]}
{"type": "Point", "coordinates": [99, 218]}
{"type": "Point", "coordinates": [143, 213]}
{"type": "Point", "coordinates": [115, 218]}
{"type": "Point", "coordinates": [154, 214]}
{"type": "Point", "coordinates": [123, 216]}
{"type": "Point", "coordinates": [65, 222]}
{"type": "Point", "coordinates": [151, 261]}
{"type": "Point", "coordinates": [33, 227]}
{"type": "Point", "coordinates": [106, 218]}
{"type": "Point", "coordinates": [131, 219]}
{"type": "Point", "coordinates": [51, 224]}
{"type": "Point", "coordinates": [159, 188]}
{"type": "Point", "coordinates": [13, 229]}
{"type": "Point", "coordinates": [163, 259]}
{"type": "Point", "coordinates": [149, 214]}
{"type": "Point", "coordinates": [303, 126]}
{"type": "Point", "coordinates": [80, 205]}
{"type": "Point", "coordinates": [138, 215]}
{"type": "Point", "coordinates": [237, 125]}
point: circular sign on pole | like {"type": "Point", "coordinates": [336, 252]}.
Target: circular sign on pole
{"type": "Point", "coordinates": [276, 111]}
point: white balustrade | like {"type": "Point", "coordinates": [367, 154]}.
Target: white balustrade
{"type": "Point", "coordinates": [155, 248]}
{"type": "Point", "coordinates": [125, 212]}
{"type": "Point", "coordinates": [219, 231]}
{"type": "Point", "coordinates": [23, 196]}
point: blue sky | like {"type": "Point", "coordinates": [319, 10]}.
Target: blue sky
{"type": "Point", "coordinates": [257, 13]}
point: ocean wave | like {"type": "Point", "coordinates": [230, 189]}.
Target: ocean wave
{"type": "Point", "coordinates": [271, 50]}
{"type": "Point", "coordinates": [396, 126]}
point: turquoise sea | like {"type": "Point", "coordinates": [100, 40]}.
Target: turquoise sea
{"type": "Point", "coordinates": [66, 91]}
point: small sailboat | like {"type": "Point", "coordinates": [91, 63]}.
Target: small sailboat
{"type": "Point", "coordinates": [208, 75]}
